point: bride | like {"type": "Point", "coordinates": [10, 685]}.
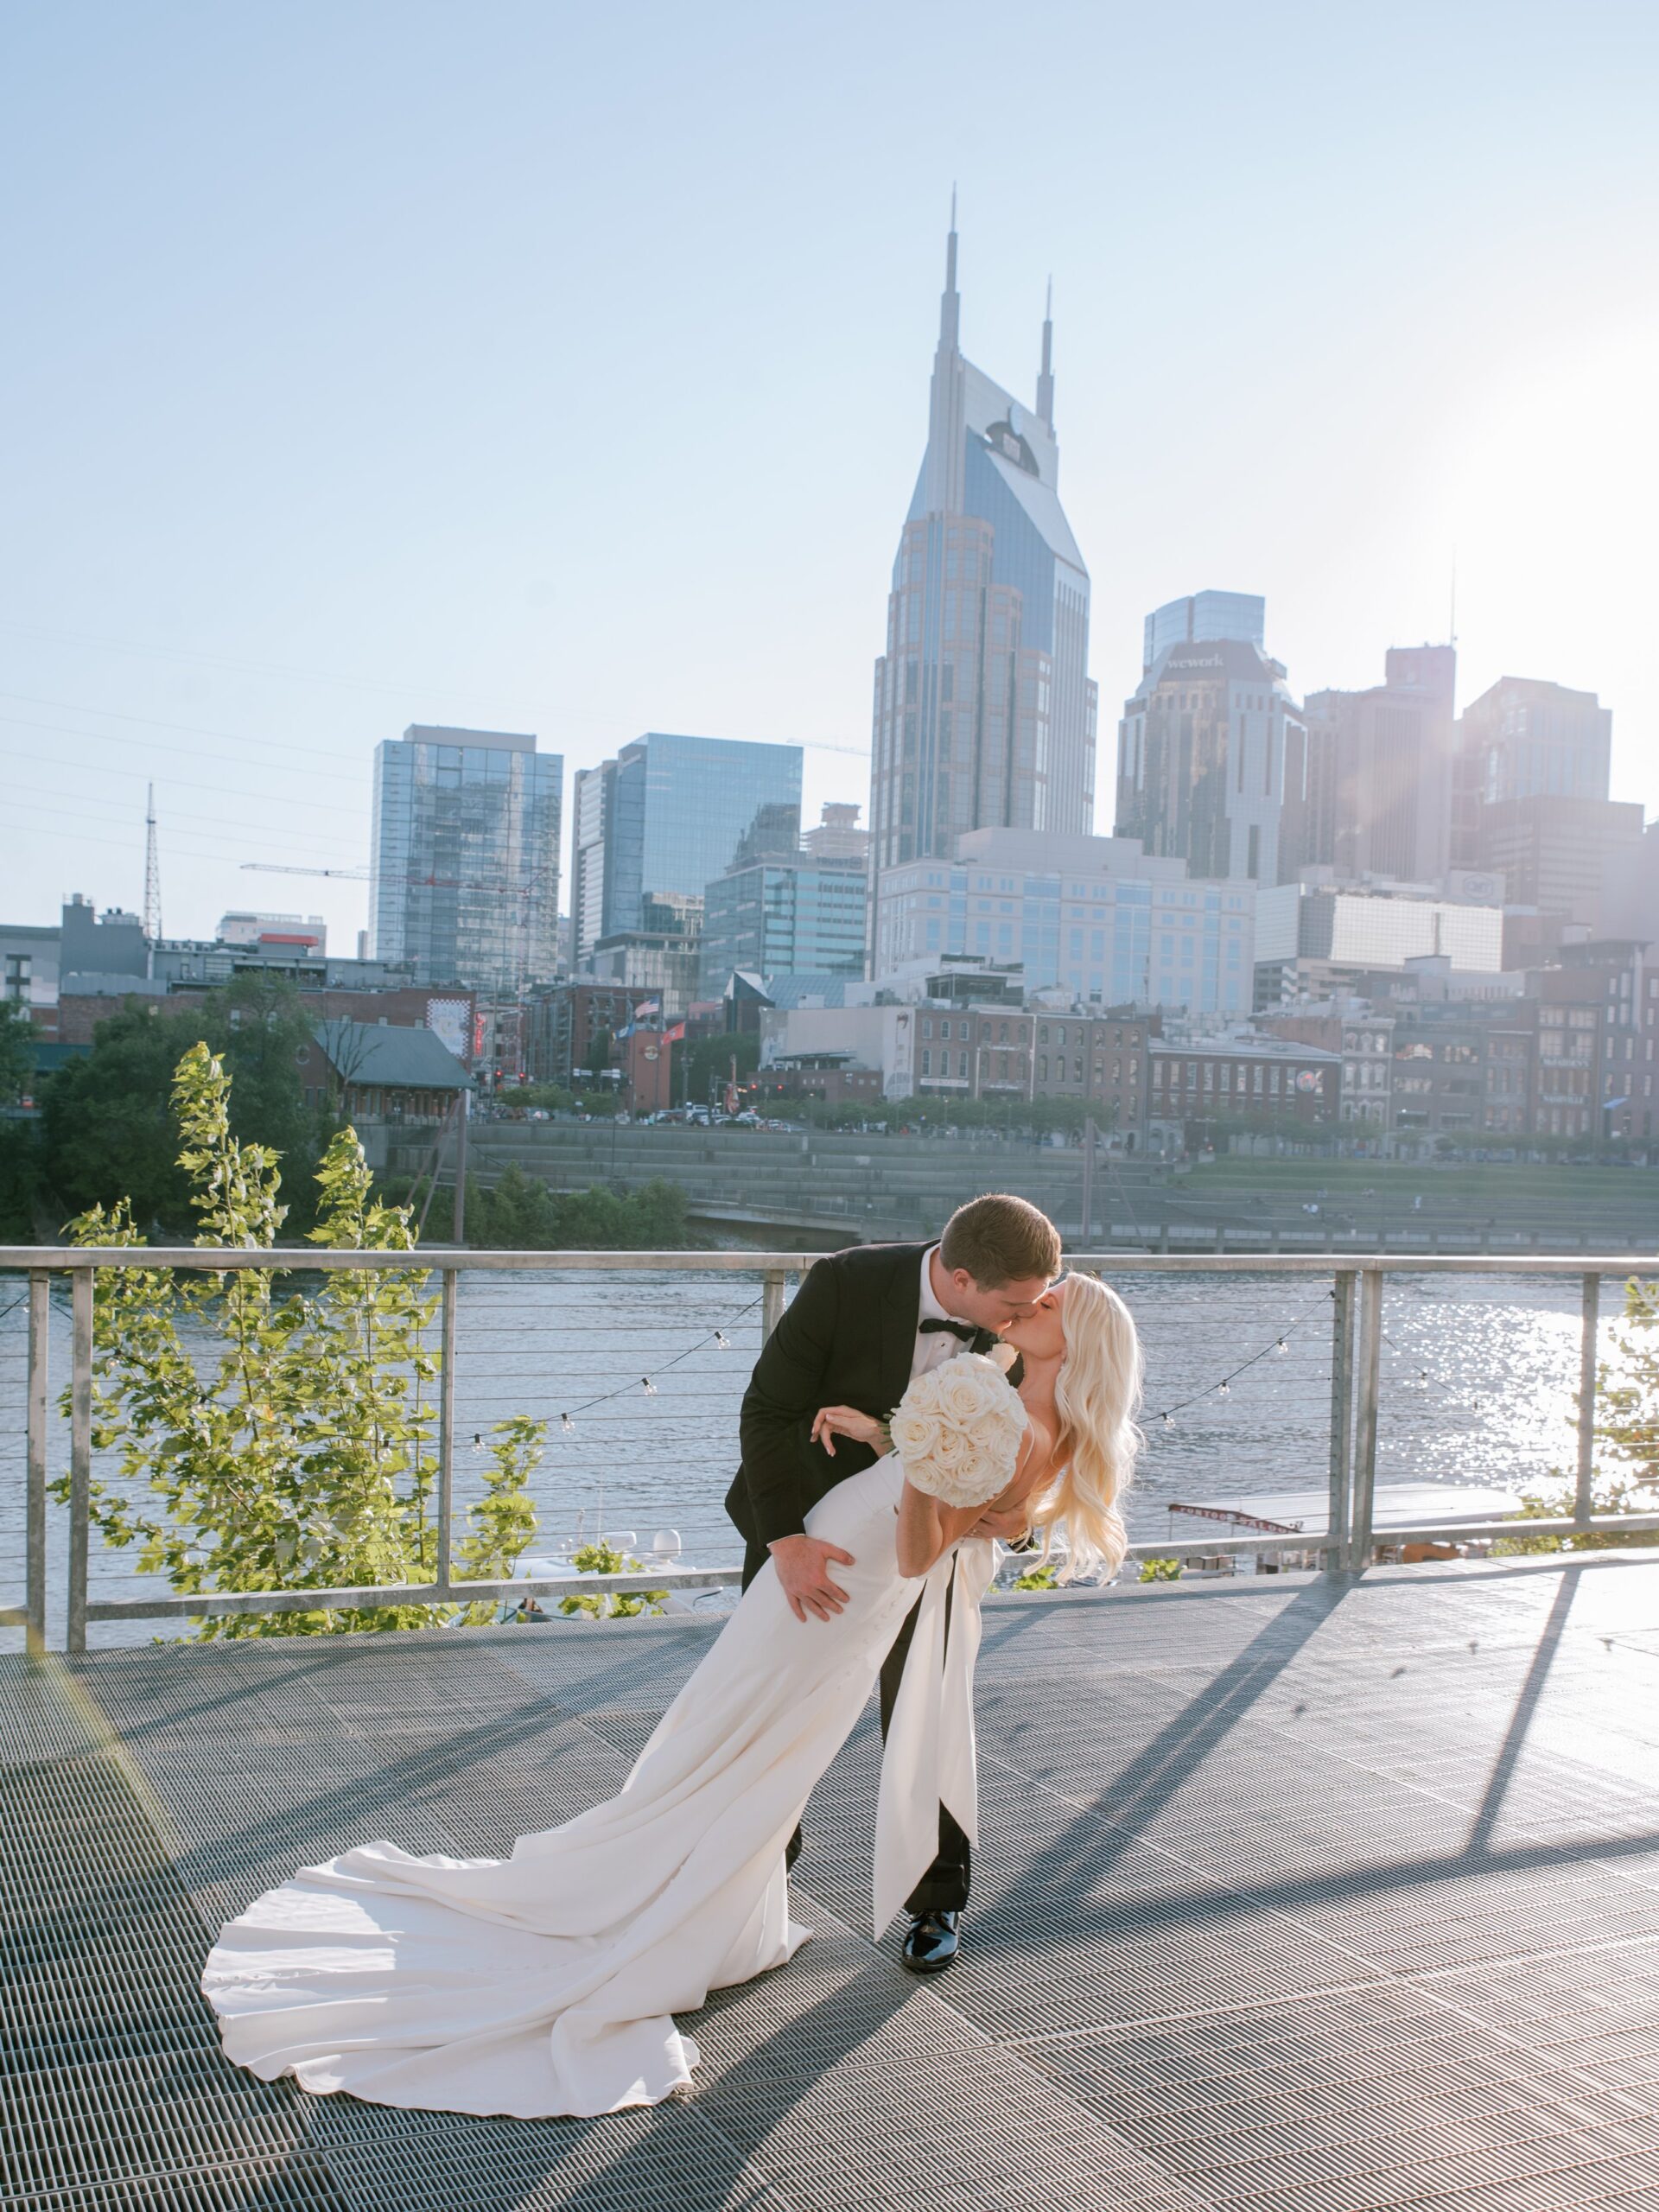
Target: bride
{"type": "Point", "coordinates": [546, 1983]}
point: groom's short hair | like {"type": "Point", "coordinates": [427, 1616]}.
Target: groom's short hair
{"type": "Point", "coordinates": [998, 1239]}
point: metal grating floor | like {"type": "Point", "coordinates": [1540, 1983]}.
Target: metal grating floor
{"type": "Point", "coordinates": [1293, 1897]}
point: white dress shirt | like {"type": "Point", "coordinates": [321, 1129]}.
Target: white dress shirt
{"type": "Point", "coordinates": [932, 1350]}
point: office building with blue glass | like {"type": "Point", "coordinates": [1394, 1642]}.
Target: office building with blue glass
{"type": "Point", "coordinates": [464, 873]}
{"type": "Point", "coordinates": [1204, 617]}
{"type": "Point", "coordinates": [797, 916]}
{"type": "Point", "coordinates": [1094, 916]}
{"type": "Point", "coordinates": [984, 713]}
{"type": "Point", "coordinates": [670, 814]}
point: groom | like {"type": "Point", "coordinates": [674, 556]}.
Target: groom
{"type": "Point", "coordinates": [863, 1324]}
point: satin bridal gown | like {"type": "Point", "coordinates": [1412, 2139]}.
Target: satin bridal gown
{"type": "Point", "coordinates": [546, 1983]}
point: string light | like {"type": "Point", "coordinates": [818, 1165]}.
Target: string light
{"type": "Point", "coordinates": [716, 1336]}
{"type": "Point", "coordinates": [1223, 1387]}
{"type": "Point", "coordinates": [566, 1425]}
{"type": "Point", "coordinates": [478, 1441]}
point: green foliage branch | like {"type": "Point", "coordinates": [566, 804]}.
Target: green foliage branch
{"type": "Point", "coordinates": [614, 1605]}
{"type": "Point", "coordinates": [303, 1454]}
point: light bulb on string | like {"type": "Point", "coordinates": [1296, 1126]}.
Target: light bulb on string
{"type": "Point", "coordinates": [1283, 1344]}
{"type": "Point", "coordinates": [1226, 1389]}
{"type": "Point", "coordinates": [723, 1340]}
{"type": "Point", "coordinates": [1168, 1420]}
{"type": "Point", "coordinates": [648, 1386]}
{"type": "Point", "coordinates": [566, 1425]}
{"type": "Point", "coordinates": [478, 1441]}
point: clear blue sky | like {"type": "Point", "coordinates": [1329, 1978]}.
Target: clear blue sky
{"type": "Point", "coordinates": [564, 368]}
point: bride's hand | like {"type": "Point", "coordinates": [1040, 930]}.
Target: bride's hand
{"type": "Point", "coordinates": [1008, 1524]}
{"type": "Point", "coordinates": [832, 1421]}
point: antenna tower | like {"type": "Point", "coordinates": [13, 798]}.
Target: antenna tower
{"type": "Point", "coordinates": [152, 871]}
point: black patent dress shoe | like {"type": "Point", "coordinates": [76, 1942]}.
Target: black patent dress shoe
{"type": "Point", "coordinates": [931, 1942]}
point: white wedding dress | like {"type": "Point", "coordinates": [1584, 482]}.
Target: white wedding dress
{"type": "Point", "coordinates": [546, 1983]}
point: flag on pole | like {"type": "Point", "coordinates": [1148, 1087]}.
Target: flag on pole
{"type": "Point", "coordinates": [676, 1035]}
{"type": "Point", "coordinates": [645, 1007]}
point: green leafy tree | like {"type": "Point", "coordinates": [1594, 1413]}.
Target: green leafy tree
{"type": "Point", "coordinates": [610, 1604]}
{"type": "Point", "coordinates": [108, 1136]}
{"type": "Point", "coordinates": [1629, 1387]}
{"type": "Point", "coordinates": [19, 1182]}
{"type": "Point", "coordinates": [1557, 1504]}
{"type": "Point", "coordinates": [17, 1050]}
{"type": "Point", "coordinates": [710, 1061]}
{"type": "Point", "coordinates": [109, 1126]}
{"type": "Point", "coordinates": [1627, 1434]}
{"type": "Point", "coordinates": [1159, 1570]}
{"type": "Point", "coordinates": [517, 1213]}
{"type": "Point", "coordinates": [303, 1455]}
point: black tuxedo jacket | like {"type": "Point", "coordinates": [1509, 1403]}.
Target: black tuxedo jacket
{"type": "Point", "coordinates": [847, 1340]}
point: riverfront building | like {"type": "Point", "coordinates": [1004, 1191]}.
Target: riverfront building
{"type": "Point", "coordinates": [985, 714]}
{"type": "Point", "coordinates": [465, 857]}
{"type": "Point", "coordinates": [1094, 916]}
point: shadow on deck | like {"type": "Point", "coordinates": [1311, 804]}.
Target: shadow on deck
{"type": "Point", "coordinates": [1292, 1894]}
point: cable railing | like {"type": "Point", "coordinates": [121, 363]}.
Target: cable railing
{"type": "Point", "coordinates": [633, 1365]}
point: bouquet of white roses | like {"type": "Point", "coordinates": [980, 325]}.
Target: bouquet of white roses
{"type": "Point", "coordinates": [959, 1430]}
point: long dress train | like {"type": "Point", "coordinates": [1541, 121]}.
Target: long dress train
{"type": "Point", "coordinates": [546, 1983]}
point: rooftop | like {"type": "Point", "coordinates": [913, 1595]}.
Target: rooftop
{"type": "Point", "coordinates": [387, 1052]}
{"type": "Point", "coordinates": [1293, 1893]}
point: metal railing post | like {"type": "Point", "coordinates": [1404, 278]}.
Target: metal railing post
{"type": "Point", "coordinates": [40, 1338]}
{"type": "Point", "coordinates": [1365, 1458]}
{"type": "Point", "coordinates": [80, 1450]}
{"type": "Point", "coordinates": [1592, 1315]}
{"type": "Point", "coordinates": [1341, 1421]}
{"type": "Point", "coordinates": [446, 1424]}
{"type": "Point", "coordinates": [771, 1303]}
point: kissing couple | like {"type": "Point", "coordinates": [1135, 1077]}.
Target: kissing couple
{"type": "Point", "coordinates": [916, 1405]}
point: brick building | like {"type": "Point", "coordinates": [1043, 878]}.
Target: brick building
{"type": "Point", "coordinates": [1207, 1089]}
{"type": "Point", "coordinates": [563, 1023]}
{"type": "Point", "coordinates": [1008, 1052]}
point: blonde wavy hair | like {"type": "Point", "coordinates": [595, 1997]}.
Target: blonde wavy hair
{"type": "Point", "coordinates": [1097, 1395]}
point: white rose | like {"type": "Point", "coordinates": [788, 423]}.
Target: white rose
{"type": "Point", "coordinates": [959, 1429]}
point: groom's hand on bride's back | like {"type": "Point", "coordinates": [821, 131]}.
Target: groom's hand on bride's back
{"type": "Point", "coordinates": [802, 1564]}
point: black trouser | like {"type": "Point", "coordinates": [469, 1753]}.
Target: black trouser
{"type": "Point", "coordinates": [943, 1888]}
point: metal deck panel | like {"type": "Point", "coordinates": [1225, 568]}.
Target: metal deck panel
{"type": "Point", "coordinates": [1294, 1896]}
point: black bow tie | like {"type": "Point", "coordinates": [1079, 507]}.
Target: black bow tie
{"type": "Point", "coordinates": [975, 1340]}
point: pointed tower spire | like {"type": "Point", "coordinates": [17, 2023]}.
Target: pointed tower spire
{"type": "Point", "coordinates": [1046, 375]}
{"type": "Point", "coordinates": [949, 303]}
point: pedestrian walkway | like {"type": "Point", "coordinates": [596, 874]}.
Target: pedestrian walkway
{"type": "Point", "coordinates": [1292, 1893]}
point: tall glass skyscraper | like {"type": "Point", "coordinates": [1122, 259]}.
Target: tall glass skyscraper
{"type": "Point", "coordinates": [1204, 743]}
{"type": "Point", "coordinates": [985, 714]}
{"type": "Point", "coordinates": [465, 864]}
{"type": "Point", "coordinates": [670, 814]}
{"type": "Point", "coordinates": [1204, 615]}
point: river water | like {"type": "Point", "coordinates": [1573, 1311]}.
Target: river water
{"type": "Point", "coordinates": [1479, 1384]}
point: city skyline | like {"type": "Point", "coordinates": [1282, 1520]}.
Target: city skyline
{"type": "Point", "coordinates": [283, 532]}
